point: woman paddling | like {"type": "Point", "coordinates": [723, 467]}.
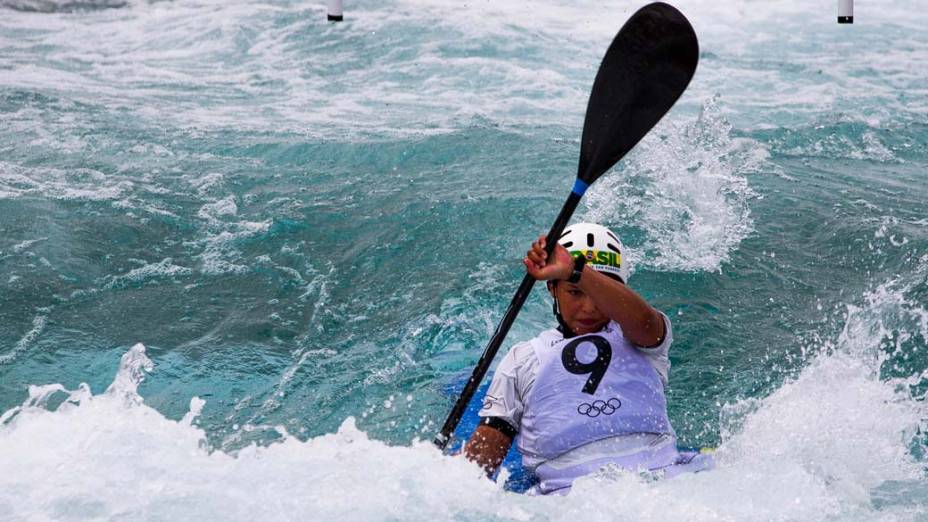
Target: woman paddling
{"type": "Point", "coordinates": [590, 392]}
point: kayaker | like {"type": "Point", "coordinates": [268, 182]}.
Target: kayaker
{"type": "Point", "coordinates": [590, 392]}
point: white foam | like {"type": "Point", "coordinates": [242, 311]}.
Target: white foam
{"type": "Point", "coordinates": [816, 448]}
{"type": "Point", "coordinates": [219, 254]}
{"type": "Point", "coordinates": [38, 324]}
{"type": "Point", "coordinates": [514, 64]}
{"type": "Point", "coordinates": [134, 462]}
{"type": "Point", "coordinates": [812, 450]}
{"type": "Point", "coordinates": [214, 211]}
{"type": "Point", "coordinates": [81, 184]}
{"type": "Point", "coordinates": [162, 269]}
{"type": "Point", "coordinates": [206, 183]}
{"type": "Point", "coordinates": [23, 245]}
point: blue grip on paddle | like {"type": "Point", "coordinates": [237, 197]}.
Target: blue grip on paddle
{"type": "Point", "coordinates": [580, 187]}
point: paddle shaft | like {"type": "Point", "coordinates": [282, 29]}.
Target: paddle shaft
{"type": "Point", "coordinates": [444, 437]}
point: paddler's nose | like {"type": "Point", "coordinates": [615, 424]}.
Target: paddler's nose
{"type": "Point", "coordinates": [588, 306]}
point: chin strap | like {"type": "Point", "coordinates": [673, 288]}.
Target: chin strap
{"type": "Point", "coordinates": [556, 308]}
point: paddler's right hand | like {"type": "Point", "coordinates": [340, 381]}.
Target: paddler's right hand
{"type": "Point", "coordinates": [541, 266]}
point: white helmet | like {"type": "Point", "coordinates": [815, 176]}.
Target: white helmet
{"type": "Point", "coordinates": [601, 248]}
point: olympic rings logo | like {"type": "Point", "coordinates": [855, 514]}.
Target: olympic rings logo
{"type": "Point", "coordinates": [599, 407]}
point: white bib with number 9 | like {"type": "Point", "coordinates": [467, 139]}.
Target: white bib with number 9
{"type": "Point", "coordinates": [588, 388]}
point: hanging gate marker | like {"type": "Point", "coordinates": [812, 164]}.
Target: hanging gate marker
{"type": "Point", "coordinates": [845, 11]}
{"type": "Point", "coordinates": [335, 11]}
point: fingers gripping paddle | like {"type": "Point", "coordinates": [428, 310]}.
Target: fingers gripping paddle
{"type": "Point", "coordinates": [647, 67]}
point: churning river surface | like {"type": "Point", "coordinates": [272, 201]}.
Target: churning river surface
{"type": "Point", "coordinates": [312, 228]}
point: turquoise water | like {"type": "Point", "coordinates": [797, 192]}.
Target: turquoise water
{"type": "Point", "coordinates": [315, 227]}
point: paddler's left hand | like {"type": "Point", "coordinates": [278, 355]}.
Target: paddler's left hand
{"type": "Point", "coordinates": [541, 266]}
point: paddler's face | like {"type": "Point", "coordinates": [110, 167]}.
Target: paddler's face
{"type": "Point", "coordinates": [578, 309]}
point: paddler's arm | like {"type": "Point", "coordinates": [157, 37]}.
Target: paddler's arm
{"type": "Point", "coordinates": [487, 447]}
{"type": "Point", "coordinates": [501, 412]}
{"type": "Point", "coordinates": [641, 323]}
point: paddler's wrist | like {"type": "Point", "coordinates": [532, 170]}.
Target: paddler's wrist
{"type": "Point", "coordinates": [575, 272]}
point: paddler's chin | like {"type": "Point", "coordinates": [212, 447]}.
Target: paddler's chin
{"type": "Point", "coordinates": [586, 327]}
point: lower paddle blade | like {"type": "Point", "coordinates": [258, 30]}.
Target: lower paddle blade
{"type": "Point", "coordinates": [646, 69]}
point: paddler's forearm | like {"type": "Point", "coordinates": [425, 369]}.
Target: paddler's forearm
{"type": "Point", "coordinates": [641, 323]}
{"type": "Point", "coordinates": [487, 447]}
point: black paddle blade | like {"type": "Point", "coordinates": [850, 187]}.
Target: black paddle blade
{"type": "Point", "coordinates": [644, 72]}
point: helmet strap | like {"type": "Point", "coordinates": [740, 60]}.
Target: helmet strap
{"type": "Point", "coordinates": [556, 308]}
